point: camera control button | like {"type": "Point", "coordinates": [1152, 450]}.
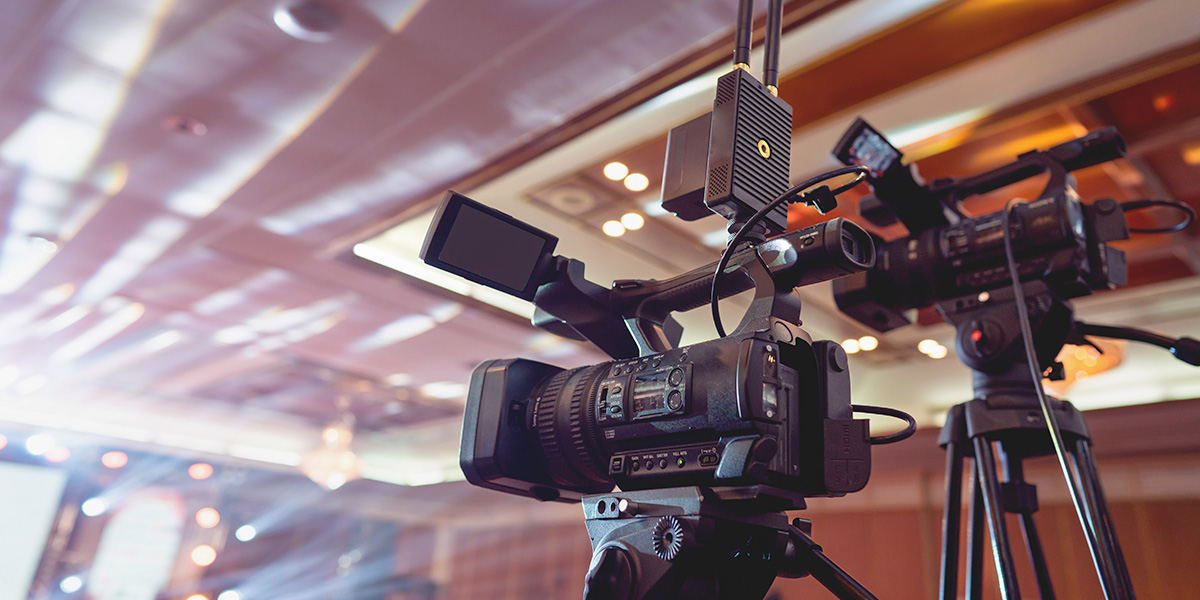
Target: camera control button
{"type": "Point", "coordinates": [680, 462]}
{"type": "Point", "coordinates": [635, 465]}
{"type": "Point", "coordinates": [662, 463]}
{"type": "Point", "coordinates": [649, 464]}
{"type": "Point", "coordinates": [675, 400]}
{"type": "Point", "coordinates": [676, 377]}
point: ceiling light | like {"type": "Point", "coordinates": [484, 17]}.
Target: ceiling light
{"type": "Point", "coordinates": [38, 444]}
{"type": "Point", "coordinates": [245, 533]}
{"type": "Point", "coordinates": [58, 454]}
{"type": "Point", "coordinates": [203, 555]}
{"type": "Point", "coordinates": [93, 507]}
{"type": "Point", "coordinates": [939, 352]}
{"type": "Point", "coordinates": [197, 596]}
{"type": "Point", "coordinates": [229, 595]}
{"type": "Point", "coordinates": [613, 228]}
{"type": "Point", "coordinates": [200, 471]}
{"type": "Point", "coordinates": [636, 182]}
{"type": "Point", "coordinates": [927, 346]}
{"type": "Point", "coordinates": [868, 343]}
{"type": "Point", "coordinates": [632, 221]}
{"type": "Point", "coordinates": [208, 517]}
{"type": "Point", "coordinates": [1163, 102]}
{"type": "Point", "coordinates": [616, 171]}
{"type": "Point", "coordinates": [850, 346]}
{"type": "Point", "coordinates": [114, 460]}
{"type": "Point", "coordinates": [310, 20]}
{"type": "Point", "coordinates": [1191, 154]}
{"type": "Point", "coordinates": [71, 584]}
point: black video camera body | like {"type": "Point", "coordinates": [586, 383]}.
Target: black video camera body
{"type": "Point", "coordinates": [740, 410]}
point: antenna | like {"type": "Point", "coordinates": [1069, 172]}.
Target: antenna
{"type": "Point", "coordinates": [771, 50]}
{"type": "Point", "coordinates": [743, 36]}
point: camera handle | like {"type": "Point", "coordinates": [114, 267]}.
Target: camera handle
{"type": "Point", "coordinates": [703, 543]}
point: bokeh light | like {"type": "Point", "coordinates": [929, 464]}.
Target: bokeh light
{"type": "Point", "coordinates": [245, 533]}
{"type": "Point", "coordinates": [632, 221]}
{"type": "Point", "coordinates": [637, 182]}
{"type": "Point", "coordinates": [203, 555]}
{"type": "Point", "coordinates": [868, 343]}
{"type": "Point", "coordinates": [613, 228]}
{"type": "Point", "coordinates": [616, 171]}
{"type": "Point", "coordinates": [200, 471]}
{"type": "Point", "coordinates": [850, 346]}
{"type": "Point", "coordinates": [38, 444]}
{"type": "Point", "coordinates": [71, 584]}
{"type": "Point", "coordinates": [58, 454]}
{"type": "Point", "coordinates": [114, 460]}
{"type": "Point", "coordinates": [208, 517]}
{"type": "Point", "coordinates": [93, 507]}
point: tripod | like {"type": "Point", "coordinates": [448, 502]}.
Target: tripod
{"type": "Point", "coordinates": [1006, 413]}
{"type": "Point", "coordinates": [726, 543]}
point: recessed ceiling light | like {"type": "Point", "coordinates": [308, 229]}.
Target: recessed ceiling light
{"type": "Point", "coordinates": [616, 171]}
{"type": "Point", "coordinates": [636, 182]}
{"type": "Point", "coordinates": [939, 352]}
{"type": "Point", "coordinates": [868, 343]}
{"type": "Point", "coordinates": [927, 346]}
{"type": "Point", "coordinates": [850, 346]}
{"type": "Point", "coordinates": [1191, 154]}
{"type": "Point", "coordinates": [613, 228]}
{"type": "Point", "coordinates": [307, 20]}
{"type": "Point", "coordinates": [1163, 102]}
{"type": "Point", "coordinates": [632, 221]}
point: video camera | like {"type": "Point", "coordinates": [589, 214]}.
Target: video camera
{"type": "Point", "coordinates": [1056, 238]}
{"type": "Point", "coordinates": [764, 406]}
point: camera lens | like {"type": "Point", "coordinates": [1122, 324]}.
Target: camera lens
{"type": "Point", "coordinates": [564, 418]}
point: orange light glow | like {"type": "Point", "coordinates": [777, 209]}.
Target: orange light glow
{"type": "Point", "coordinates": [200, 471]}
{"type": "Point", "coordinates": [114, 460]}
{"type": "Point", "coordinates": [203, 555]}
{"type": "Point", "coordinates": [1163, 102]}
{"type": "Point", "coordinates": [197, 597]}
{"type": "Point", "coordinates": [1191, 154]}
{"type": "Point", "coordinates": [208, 517]}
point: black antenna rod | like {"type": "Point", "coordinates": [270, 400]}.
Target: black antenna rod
{"type": "Point", "coordinates": [743, 36]}
{"type": "Point", "coordinates": [771, 50]}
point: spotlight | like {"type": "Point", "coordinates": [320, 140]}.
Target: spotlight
{"type": "Point", "coordinates": [868, 343]}
{"type": "Point", "coordinates": [245, 533]}
{"type": "Point", "coordinates": [203, 555]}
{"type": "Point", "coordinates": [616, 171]}
{"type": "Point", "coordinates": [200, 471]}
{"type": "Point", "coordinates": [632, 221]}
{"type": "Point", "coordinates": [38, 444]}
{"type": "Point", "coordinates": [851, 346]}
{"type": "Point", "coordinates": [636, 182]}
{"type": "Point", "coordinates": [208, 517]}
{"type": "Point", "coordinates": [71, 584]}
{"type": "Point", "coordinates": [613, 228]}
{"type": "Point", "coordinates": [114, 460]}
{"type": "Point", "coordinates": [94, 507]}
{"type": "Point", "coordinates": [927, 346]}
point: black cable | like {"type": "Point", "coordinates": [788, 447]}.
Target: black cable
{"type": "Point", "coordinates": [752, 221]}
{"type": "Point", "coordinates": [1185, 348]}
{"type": "Point", "coordinates": [743, 33]}
{"type": "Point", "coordinates": [1188, 212]}
{"type": "Point", "coordinates": [1047, 412]}
{"type": "Point", "coordinates": [771, 47]}
{"type": "Point", "coordinates": [890, 438]}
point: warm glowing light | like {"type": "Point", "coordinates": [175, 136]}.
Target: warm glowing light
{"type": "Point", "coordinates": [3, 441]}
{"type": "Point", "coordinates": [208, 517]}
{"type": "Point", "coordinates": [203, 555]}
{"type": "Point", "coordinates": [868, 343]}
{"type": "Point", "coordinates": [331, 435]}
{"type": "Point", "coordinates": [198, 596]}
{"type": "Point", "coordinates": [93, 507]}
{"type": "Point", "coordinates": [114, 460]}
{"type": "Point", "coordinates": [39, 444]}
{"type": "Point", "coordinates": [58, 454]}
{"type": "Point", "coordinates": [1163, 102]}
{"type": "Point", "coordinates": [939, 352]}
{"type": "Point", "coordinates": [613, 228]}
{"type": "Point", "coordinates": [229, 595]}
{"type": "Point", "coordinates": [71, 584]}
{"type": "Point", "coordinates": [637, 182]}
{"type": "Point", "coordinates": [245, 533]}
{"type": "Point", "coordinates": [199, 471]}
{"type": "Point", "coordinates": [927, 346]}
{"type": "Point", "coordinates": [616, 171]}
{"type": "Point", "coordinates": [632, 221]}
{"type": "Point", "coordinates": [851, 346]}
{"type": "Point", "coordinates": [1191, 154]}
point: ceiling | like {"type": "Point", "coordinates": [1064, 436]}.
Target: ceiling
{"type": "Point", "coordinates": [186, 185]}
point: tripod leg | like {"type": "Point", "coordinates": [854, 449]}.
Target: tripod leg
{"type": "Point", "coordinates": [1107, 534]}
{"type": "Point", "coordinates": [985, 462]}
{"type": "Point", "coordinates": [1037, 556]}
{"type": "Point", "coordinates": [950, 521]}
{"type": "Point", "coordinates": [975, 514]}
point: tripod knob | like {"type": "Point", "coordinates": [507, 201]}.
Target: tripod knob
{"type": "Point", "coordinates": [610, 577]}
